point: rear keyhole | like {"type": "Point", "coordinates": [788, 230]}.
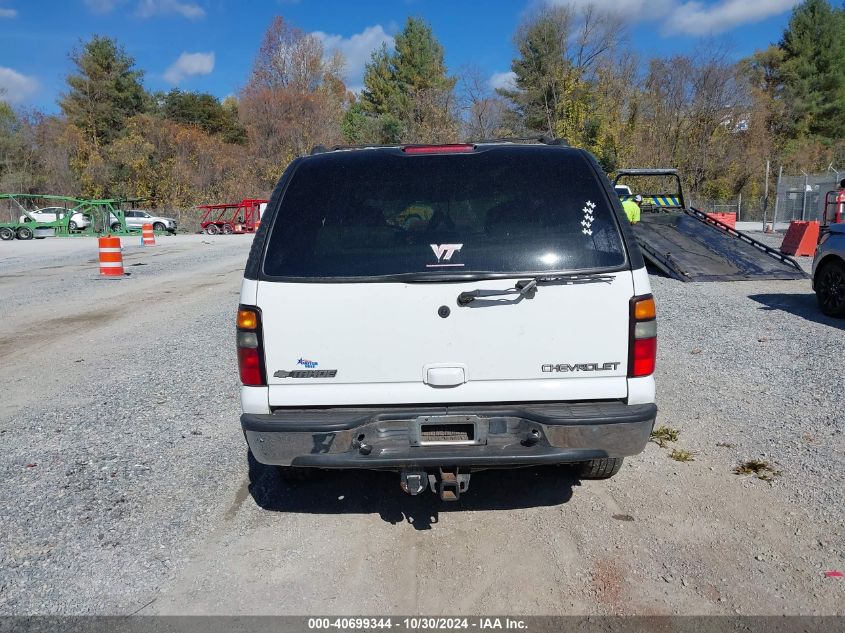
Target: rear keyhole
{"type": "Point", "coordinates": [444, 311]}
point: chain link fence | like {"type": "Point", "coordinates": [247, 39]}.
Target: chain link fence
{"type": "Point", "coordinates": [802, 197]}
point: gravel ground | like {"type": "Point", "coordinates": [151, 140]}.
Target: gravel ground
{"type": "Point", "coordinates": [127, 487]}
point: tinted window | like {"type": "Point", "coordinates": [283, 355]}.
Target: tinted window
{"type": "Point", "coordinates": [498, 210]}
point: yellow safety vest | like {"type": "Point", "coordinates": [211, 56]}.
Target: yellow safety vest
{"type": "Point", "coordinates": [632, 210]}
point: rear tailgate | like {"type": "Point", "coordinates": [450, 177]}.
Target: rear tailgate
{"type": "Point", "coordinates": [344, 326]}
{"type": "Point", "coordinates": [385, 343]}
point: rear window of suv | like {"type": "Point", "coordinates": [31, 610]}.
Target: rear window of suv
{"type": "Point", "coordinates": [494, 210]}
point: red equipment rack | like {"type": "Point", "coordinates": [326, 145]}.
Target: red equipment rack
{"type": "Point", "coordinates": [237, 217]}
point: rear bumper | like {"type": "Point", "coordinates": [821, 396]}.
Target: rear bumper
{"type": "Point", "coordinates": [524, 435]}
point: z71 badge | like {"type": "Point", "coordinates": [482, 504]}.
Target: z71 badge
{"type": "Point", "coordinates": [306, 373]}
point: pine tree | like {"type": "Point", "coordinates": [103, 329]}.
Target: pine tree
{"type": "Point", "coordinates": [813, 70]}
{"type": "Point", "coordinates": [105, 91]}
{"type": "Point", "coordinates": [407, 94]}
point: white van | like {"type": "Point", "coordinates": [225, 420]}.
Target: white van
{"type": "Point", "coordinates": [440, 309]}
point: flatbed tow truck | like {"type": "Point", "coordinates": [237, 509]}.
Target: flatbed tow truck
{"type": "Point", "coordinates": [687, 244]}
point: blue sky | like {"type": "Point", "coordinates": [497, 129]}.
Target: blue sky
{"type": "Point", "coordinates": [209, 45]}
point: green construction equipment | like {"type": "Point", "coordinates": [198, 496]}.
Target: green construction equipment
{"type": "Point", "coordinates": [66, 217]}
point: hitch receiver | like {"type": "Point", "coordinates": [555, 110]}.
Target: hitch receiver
{"type": "Point", "coordinates": [449, 483]}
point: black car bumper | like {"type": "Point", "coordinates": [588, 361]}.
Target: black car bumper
{"type": "Point", "coordinates": [468, 436]}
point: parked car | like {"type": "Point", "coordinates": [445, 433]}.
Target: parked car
{"type": "Point", "coordinates": [77, 221]}
{"type": "Point", "coordinates": [136, 218]}
{"type": "Point", "coordinates": [514, 326]}
{"type": "Point", "coordinates": [829, 271]}
{"type": "Point", "coordinates": [622, 190]}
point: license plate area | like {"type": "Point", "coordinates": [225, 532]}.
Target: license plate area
{"type": "Point", "coordinates": [448, 430]}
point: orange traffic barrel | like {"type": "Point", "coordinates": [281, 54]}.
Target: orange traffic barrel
{"type": "Point", "coordinates": [111, 259]}
{"type": "Point", "coordinates": [148, 238]}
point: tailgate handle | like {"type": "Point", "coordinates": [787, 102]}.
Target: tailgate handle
{"type": "Point", "coordinates": [444, 375]}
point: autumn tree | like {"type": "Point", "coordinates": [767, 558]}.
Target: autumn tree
{"type": "Point", "coordinates": [561, 53]}
{"type": "Point", "coordinates": [206, 111]}
{"type": "Point", "coordinates": [293, 99]}
{"type": "Point", "coordinates": [104, 91]}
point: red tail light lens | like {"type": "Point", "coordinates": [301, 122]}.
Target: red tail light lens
{"type": "Point", "coordinates": [249, 364]}
{"type": "Point", "coordinates": [643, 337]}
{"type": "Point", "coordinates": [644, 357]}
{"type": "Point", "coordinates": [250, 347]}
{"type": "Point", "coordinates": [439, 149]}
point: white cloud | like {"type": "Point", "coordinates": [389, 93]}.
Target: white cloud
{"type": "Point", "coordinates": [15, 87]}
{"type": "Point", "coordinates": [698, 18]}
{"type": "Point", "coordinates": [356, 49]}
{"type": "Point", "coordinates": [149, 8]}
{"type": "Point", "coordinates": [8, 13]}
{"type": "Point", "coordinates": [634, 10]}
{"type": "Point", "coordinates": [688, 17]}
{"type": "Point", "coordinates": [503, 80]}
{"type": "Point", "coordinates": [189, 65]}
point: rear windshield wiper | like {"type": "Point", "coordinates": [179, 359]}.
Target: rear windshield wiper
{"type": "Point", "coordinates": [527, 288]}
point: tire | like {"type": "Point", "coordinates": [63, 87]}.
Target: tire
{"type": "Point", "coordinates": [228, 229]}
{"type": "Point", "coordinates": [158, 226]}
{"type": "Point", "coordinates": [6, 234]}
{"type": "Point", "coordinates": [212, 229]}
{"type": "Point", "coordinates": [115, 227]}
{"type": "Point", "coordinates": [603, 468]}
{"type": "Point", "coordinates": [71, 226]}
{"type": "Point", "coordinates": [830, 289]}
{"type": "Point", "coordinates": [25, 233]}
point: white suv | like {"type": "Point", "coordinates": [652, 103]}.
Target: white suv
{"type": "Point", "coordinates": [436, 310]}
{"type": "Point", "coordinates": [78, 220]}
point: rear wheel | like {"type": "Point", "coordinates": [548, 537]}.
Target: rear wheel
{"type": "Point", "coordinates": [212, 229]}
{"type": "Point", "coordinates": [603, 468]}
{"type": "Point", "coordinates": [6, 234]}
{"type": "Point", "coordinates": [830, 288]}
{"type": "Point", "coordinates": [115, 227]}
{"type": "Point", "coordinates": [227, 229]}
{"type": "Point", "coordinates": [72, 226]}
{"type": "Point", "coordinates": [25, 233]}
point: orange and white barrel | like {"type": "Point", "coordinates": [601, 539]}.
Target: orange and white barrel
{"type": "Point", "coordinates": [111, 259]}
{"type": "Point", "coordinates": [148, 238]}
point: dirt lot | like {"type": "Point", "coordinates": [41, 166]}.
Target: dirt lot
{"type": "Point", "coordinates": [127, 488]}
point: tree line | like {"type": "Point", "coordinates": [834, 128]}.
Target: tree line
{"type": "Point", "coordinates": [574, 76]}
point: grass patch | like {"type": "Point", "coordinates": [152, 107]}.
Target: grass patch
{"type": "Point", "coordinates": [760, 468]}
{"type": "Point", "coordinates": [664, 434]}
{"type": "Point", "coordinates": [682, 455]}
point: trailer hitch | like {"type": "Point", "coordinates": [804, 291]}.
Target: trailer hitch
{"type": "Point", "coordinates": [449, 483]}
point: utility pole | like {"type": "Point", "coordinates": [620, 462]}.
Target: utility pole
{"type": "Point", "coordinates": [766, 197]}
{"type": "Point", "coordinates": [777, 199]}
{"type": "Point", "coordinates": [804, 197]}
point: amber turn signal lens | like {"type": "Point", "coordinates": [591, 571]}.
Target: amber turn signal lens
{"type": "Point", "coordinates": [247, 320]}
{"type": "Point", "coordinates": [644, 309]}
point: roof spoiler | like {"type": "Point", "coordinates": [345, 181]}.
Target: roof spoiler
{"type": "Point", "coordinates": [544, 139]}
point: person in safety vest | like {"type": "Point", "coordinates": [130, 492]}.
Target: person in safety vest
{"type": "Point", "coordinates": [632, 208]}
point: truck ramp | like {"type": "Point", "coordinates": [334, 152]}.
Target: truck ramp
{"type": "Point", "coordinates": [690, 246]}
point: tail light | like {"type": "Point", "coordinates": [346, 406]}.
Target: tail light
{"type": "Point", "coordinates": [643, 337]}
{"type": "Point", "coordinates": [250, 347]}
